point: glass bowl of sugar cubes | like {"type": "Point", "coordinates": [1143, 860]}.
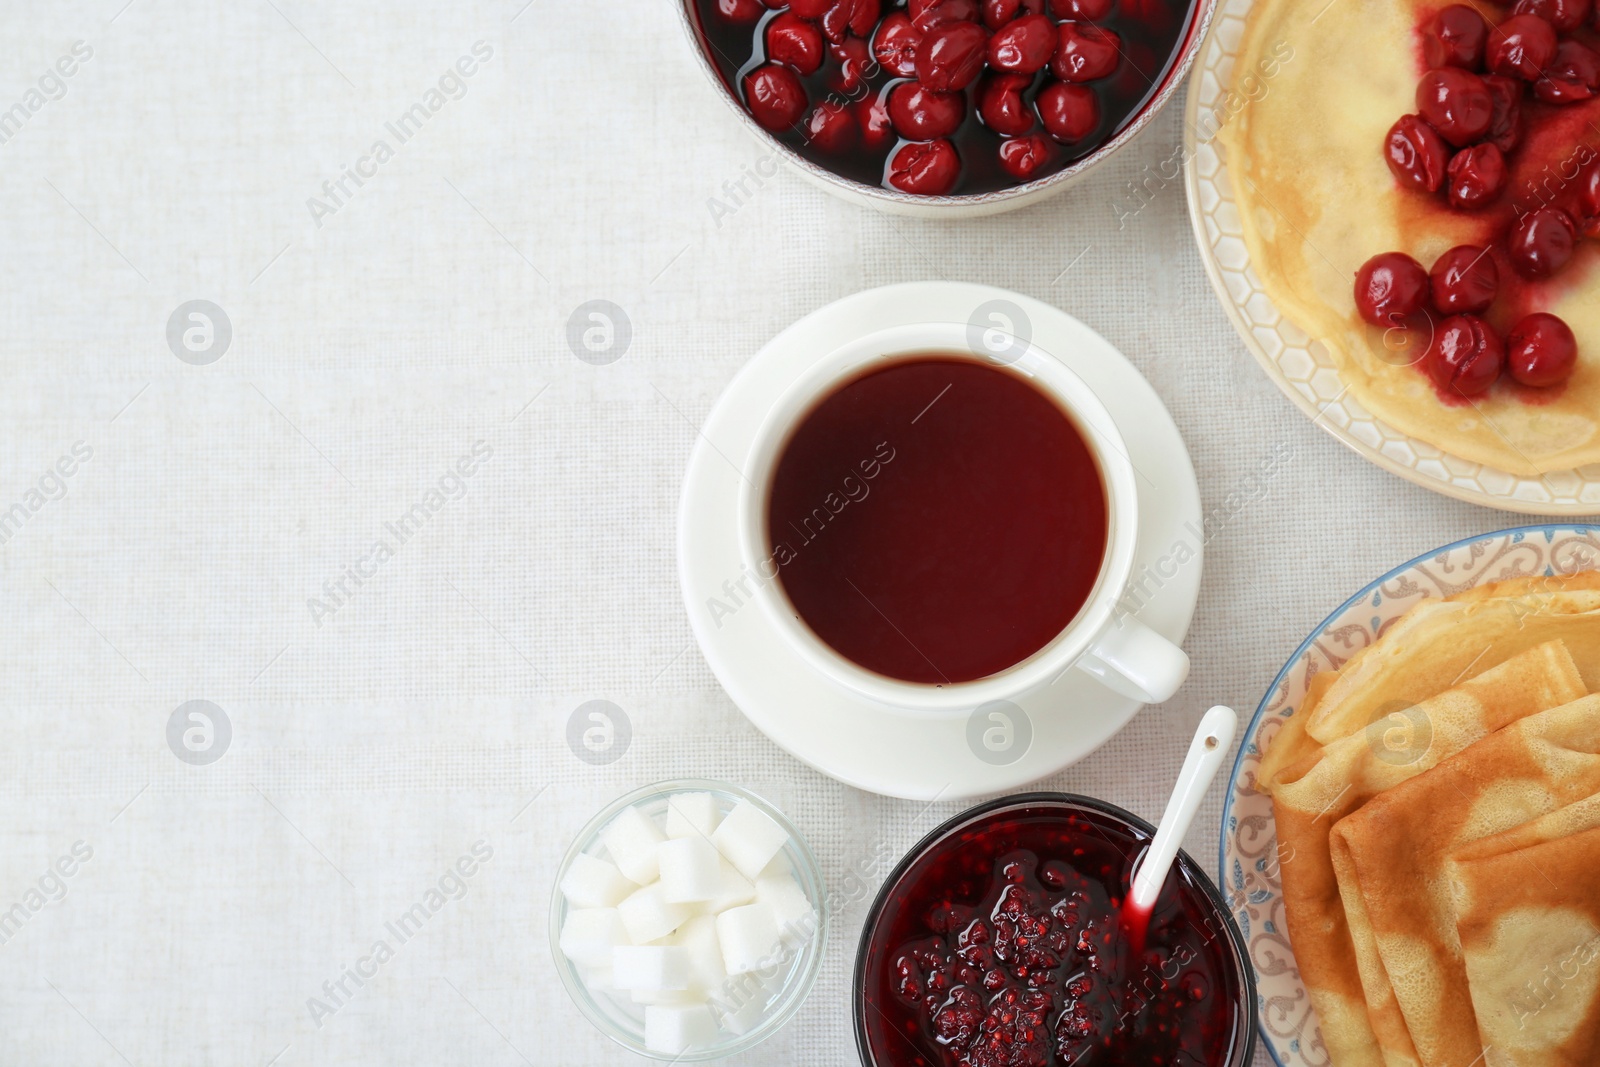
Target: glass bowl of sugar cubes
{"type": "Point", "coordinates": [688, 920]}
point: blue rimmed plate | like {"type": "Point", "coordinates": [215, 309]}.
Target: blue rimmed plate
{"type": "Point", "coordinates": [1248, 871]}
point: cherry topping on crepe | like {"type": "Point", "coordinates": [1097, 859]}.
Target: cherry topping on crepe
{"type": "Point", "coordinates": [928, 168]}
{"type": "Point", "coordinates": [1541, 242]}
{"type": "Point", "coordinates": [795, 43]}
{"type": "Point", "coordinates": [1589, 199]}
{"type": "Point", "coordinates": [951, 56]}
{"type": "Point", "coordinates": [1069, 112]}
{"type": "Point", "coordinates": [920, 114]}
{"type": "Point", "coordinates": [1001, 106]}
{"type": "Point", "coordinates": [1466, 356]}
{"type": "Point", "coordinates": [1023, 156]}
{"type": "Point", "coordinates": [1564, 15]}
{"type": "Point", "coordinates": [1416, 154]}
{"type": "Point", "coordinates": [1464, 281]}
{"type": "Point", "coordinates": [1572, 77]}
{"type": "Point", "coordinates": [775, 96]}
{"type": "Point", "coordinates": [1521, 47]}
{"type": "Point", "coordinates": [1541, 350]}
{"type": "Point", "coordinates": [832, 127]}
{"type": "Point", "coordinates": [1023, 46]}
{"type": "Point", "coordinates": [1456, 37]}
{"type": "Point", "coordinates": [1085, 52]}
{"type": "Point", "coordinates": [1505, 129]}
{"type": "Point", "coordinates": [1390, 288]}
{"type": "Point", "coordinates": [1477, 177]}
{"type": "Point", "coordinates": [896, 43]}
{"type": "Point", "coordinates": [740, 12]}
{"type": "Point", "coordinates": [1456, 103]}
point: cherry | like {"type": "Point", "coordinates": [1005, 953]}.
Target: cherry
{"type": "Point", "coordinates": [1505, 129]}
{"type": "Point", "coordinates": [1589, 199]}
{"type": "Point", "coordinates": [931, 14]}
{"type": "Point", "coordinates": [1081, 10]}
{"type": "Point", "coordinates": [855, 60]}
{"type": "Point", "coordinates": [836, 21]}
{"type": "Point", "coordinates": [1541, 350]}
{"type": "Point", "coordinates": [1541, 242]}
{"type": "Point", "coordinates": [1390, 287]}
{"type": "Point", "coordinates": [1456, 103]}
{"type": "Point", "coordinates": [1001, 106]}
{"type": "Point", "coordinates": [864, 15]}
{"type": "Point", "coordinates": [1478, 176]}
{"type": "Point", "coordinates": [1023, 156]}
{"type": "Point", "coordinates": [1572, 77]}
{"type": "Point", "coordinates": [1456, 37]}
{"type": "Point", "coordinates": [794, 42]}
{"type": "Point", "coordinates": [1464, 281]}
{"type": "Point", "coordinates": [1069, 112]}
{"type": "Point", "coordinates": [1085, 52]}
{"type": "Point", "coordinates": [1521, 47]}
{"type": "Point", "coordinates": [996, 13]}
{"type": "Point", "coordinates": [832, 127]}
{"type": "Point", "coordinates": [929, 168]}
{"type": "Point", "coordinates": [815, 10]}
{"type": "Point", "coordinates": [775, 97]}
{"type": "Point", "coordinates": [1416, 154]}
{"type": "Point", "coordinates": [1564, 15]}
{"type": "Point", "coordinates": [740, 12]}
{"type": "Point", "coordinates": [920, 114]}
{"type": "Point", "coordinates": [1466, 355]}
{"type": "Point", "coordinates": [1023, 46]}
{"type": "Point", "coordinates": [877, 129]}
{"type": "Point", "coordinates": [896, 45]}
{"type": "Point", "coordinates": [951, 56]}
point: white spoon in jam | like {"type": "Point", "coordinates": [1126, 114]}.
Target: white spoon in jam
{"type": "Point", "coordinates": [1209, 748]}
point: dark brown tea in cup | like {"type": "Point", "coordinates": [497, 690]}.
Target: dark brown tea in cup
{"type": "Point", "coordinates": [938, 520]}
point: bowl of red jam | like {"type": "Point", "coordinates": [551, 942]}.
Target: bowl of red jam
{"type": "Point", "coordinates": [945, 107]}
{"type": "Point", "coordinates": [999, 941]}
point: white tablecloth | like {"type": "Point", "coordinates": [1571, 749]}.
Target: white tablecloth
{"type": "Point", "coordinates": [386, 336]}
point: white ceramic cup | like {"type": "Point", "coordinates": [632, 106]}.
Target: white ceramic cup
{"type": "Point", "coordinates": [1116, 649]}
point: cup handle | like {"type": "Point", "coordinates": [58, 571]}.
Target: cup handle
{"type": "Point", "coordinates": [1135, 661]}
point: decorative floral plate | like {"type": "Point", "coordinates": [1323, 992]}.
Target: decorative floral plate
{"type": "Point", "coordinates": [1248, 874]}
{"type": "Point", "coordinates": [1302, 369]}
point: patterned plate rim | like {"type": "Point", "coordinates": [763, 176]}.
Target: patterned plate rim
{"type": "Point", "coordinates": [1550, 530]}
{"type": "Point", "coordinates": [1564, 507]}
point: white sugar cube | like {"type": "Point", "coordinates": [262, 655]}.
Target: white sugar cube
{"type": "Point", "coordinates": [749, 938]}
{"type": "Point", "coordinates": [691, 815]}
{"type": "Point", "coordinates": [698, 937]}
{"type": "Point", "coordinates": [749, 838]}
{"type": "Point", "coordinates": [790, 906]}
{"type": "Point", "coordinates": [733, 889]}
{"type": "Point", "coordinates": [632, 839]}
{"type": "Point", "coordinates": [667, 996]}
{"type": "Point", "coordinates": [741, 1001]}
{"type": "Point", "coordinates": [593, 883]}
{"type": "Point", "coordinates": [589, 934]}
{"type": "Point", "coordinates": [778, 866]}
{"type": "Point", "coordinates": [690, 870]}
{"type": "Point", "coordinates": [648, 917]}
{"type": "Point", "coordinates": [675, 1029]}
{"type": "Point", "coordinates": [650, 967]}
{"type": "Point", "coordinates": [742, 1016]}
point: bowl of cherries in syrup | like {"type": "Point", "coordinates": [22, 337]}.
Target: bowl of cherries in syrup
{"type": "Point", "coordinates": [999, 942]}
{"type": "Point", "coordinates": [1503, 139]}
{"type": "Point", "coordinates": [946, 107]}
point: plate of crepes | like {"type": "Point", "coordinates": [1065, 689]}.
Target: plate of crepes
{"type": "Point", "coordinates": [1398, 202]}
{"type": "Point", "coordinates": [1411, 838]}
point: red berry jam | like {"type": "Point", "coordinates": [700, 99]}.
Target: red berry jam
{"type": "Point", "coordinates": [998, 943]}
{"type": "Point", "coordinates": [986, 79]}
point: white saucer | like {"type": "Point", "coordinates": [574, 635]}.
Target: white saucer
{"type": "Point", "coordinates": [870, 745]}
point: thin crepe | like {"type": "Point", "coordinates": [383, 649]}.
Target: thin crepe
{"type": "Point", "coordinates": [1527, 909]}
{"type": "Point", "coordinates": [1312, 796]}
{"type": "Point", "coordinates": [1390, 861]}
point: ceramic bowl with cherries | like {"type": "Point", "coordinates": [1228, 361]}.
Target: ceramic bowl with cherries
{"type": "Point", "coordinates": [946, 107]}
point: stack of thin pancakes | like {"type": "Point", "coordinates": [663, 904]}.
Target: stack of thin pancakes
{"type": "Point", "coordinates": [1437, 802]}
